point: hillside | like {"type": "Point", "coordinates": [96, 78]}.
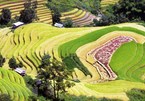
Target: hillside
{"type": "Point", "coordinates": [106, 3]}
{"type": "Point", "coordinates": [127, 63]}
{"type": "Point", "coordinates": [15, 6]}
{"type": "Point", "coordinates": [79, 16]}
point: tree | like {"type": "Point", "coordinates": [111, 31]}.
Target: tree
{"type": "Point", "coordinates": [13, 64]}
{"type": "Point", "coordinates": [68, 23]}
{"type": "Point", "coordinates": [2, 60]}
{"type": "Point", "coordinates": [54, 78]}
{"type": "Point", "coordinates": [5, 17]}
{"type": "Point", "coordinates": [131, 9]}
{"type": "Point", "coordinates": [5, 97]}
{"type": "Point", "coordinates": [55, 16]}
{"type": "Point", "coordinates": [29, 13]}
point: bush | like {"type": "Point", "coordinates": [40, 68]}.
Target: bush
{"type": "Point", "coordinates": [5, 97]}
{"type": "Point", "coordinates": [136, 95]}
{"type": "Point", "coordinates": [5, 17]}
{"type": "Point", "coordinates": [27, 15]}
{"type": "Point", "coordinates": [68, 23]}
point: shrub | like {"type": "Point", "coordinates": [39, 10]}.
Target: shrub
{"type": "Point", "coordinates": [68, 23]}
{"type": "Point", "coordinates": [136, 95]}
{"type": "Point", "coordinates": [5, 17]}
{"type": "Point", "coordinates": [5, 97]}
{"type": "Point", "coordinates": [27, 15]}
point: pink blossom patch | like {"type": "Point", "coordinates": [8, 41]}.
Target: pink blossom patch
{"type": "Point", "coordinates": [104, 53]}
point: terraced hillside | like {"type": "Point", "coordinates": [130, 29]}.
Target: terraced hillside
{"type": "Point", "coordinates": [79, 17]}
{"type": "Point", "coordinates": [43, 13]}
{"type": "Point", "coordinates": [79, 49]}
{"type": "Point", "coordinates": [105, 3]}
{"type": "Point", "coordinates": [13, 84]}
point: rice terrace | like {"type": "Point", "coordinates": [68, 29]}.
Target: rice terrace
{"type": "Point", "coordinates": [72, 50]}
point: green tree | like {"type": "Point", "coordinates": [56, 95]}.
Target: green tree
{"type": "Point", "coordinates": [131, 9]}
{"type": "Point", "coordinates": [68, 23]}
{"type": "Point", "coordinates": [5, 17]}
{"type": "Point", "coordinates": [54, 78]}
{"type": "Point", "coordinates": [29, 13]}
{"type": "Point", "coordinates": [136, 94]}
{"type": "Point", "coordinates": [13, 63]}
{"type": "Point", "coordinates": [55, 16]}
{"type": "Point", "coordinates": [5, 97]}
{"type": "Point", "coordinates": [2, 60]}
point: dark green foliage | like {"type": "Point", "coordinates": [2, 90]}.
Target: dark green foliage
{"type": "Point", "coordinates": [2, 60]}
{"type": "Point", "coordinates": [29, 13]}
{"type": "Point", "coordinates": [66, 5]}
{"type": "Point", "coordinates": [106, 99]}
{"type": "Point", "coordinates": [5, 97]}
{"type": "Point", "coordinates": [5, 16]}
{"type": "Point", "coordinates": [55, 15]}
{"type": "Point", "coordinates": [52, 78]}
{"type": "Point", "coordinates": [125, 11]}
{"type": "Point", "coordinates": [68, 23]}
{"type": "Point", "coordinates": [29, 81]}
{"type": "Point", "coordinates": [32, 98]}
{"type": "Point", "coordinates": [136, 95]}
{"type": "Point", "coordinates": [45, 61]}
{"type": "Point", "coordinates": [132, 10]}
{"type": "Point", "coordinates": [102, 22]}
{"type": "Point", "coordinates": [86, 98]}
{"type": "Point", "coordinates": [13, 64]}
{"type": "Point", "coordinates": [37, 98]}
{"type": "Point", "coordinates": [72, 61]}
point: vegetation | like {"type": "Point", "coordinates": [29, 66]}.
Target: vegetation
{"type": "Point", "coordinates": [2, 60]}
{"type": "Point", "coordinates": [123, 11]}
{"type": "Point", "coordinates": [29, 46]}
{"type": "Point", "coordinates": [29, 13]}
{"type": "Point", "coordinates": [56, 16]}
{"type": "Point", "coordinates": [136, 94]}
{"type": "Point", "coordinates": [5, 16]}
{"type": "Point", "coordinates": [68, 23]}
{"type": "Point", "coordinates": [53, 78]}
{"type": "Point", "coordinates": [13, 85]}
{"type": "Point", "coordinates": [129, 66]}
{"type": "Point", "coordinates": [5, 97]}
{"type": "Point", "coordinates": [131, 9]}
{"type": "Point", "coordinates": [66, 5]}
{"type": "Point", "coordinates": [13, 64]}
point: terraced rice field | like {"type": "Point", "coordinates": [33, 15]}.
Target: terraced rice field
{"type": "Point", "coordinates": [13, 84]}
{"type": "Point", "coordinates": [79, 17]}
{"type": "Point", "coordinates": [106, 3]}
{"type": "Point", "coordinates": [79, 49]}
{"type": "Point", "coordinates": [15, 6]}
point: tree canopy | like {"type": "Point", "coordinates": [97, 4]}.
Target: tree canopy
{"type": "Point", "coordinates": [131, 9]}
{"type": "Point", "coordinates": [5, 16]}
{"type": "Point", "coordinates": [53, 78]}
